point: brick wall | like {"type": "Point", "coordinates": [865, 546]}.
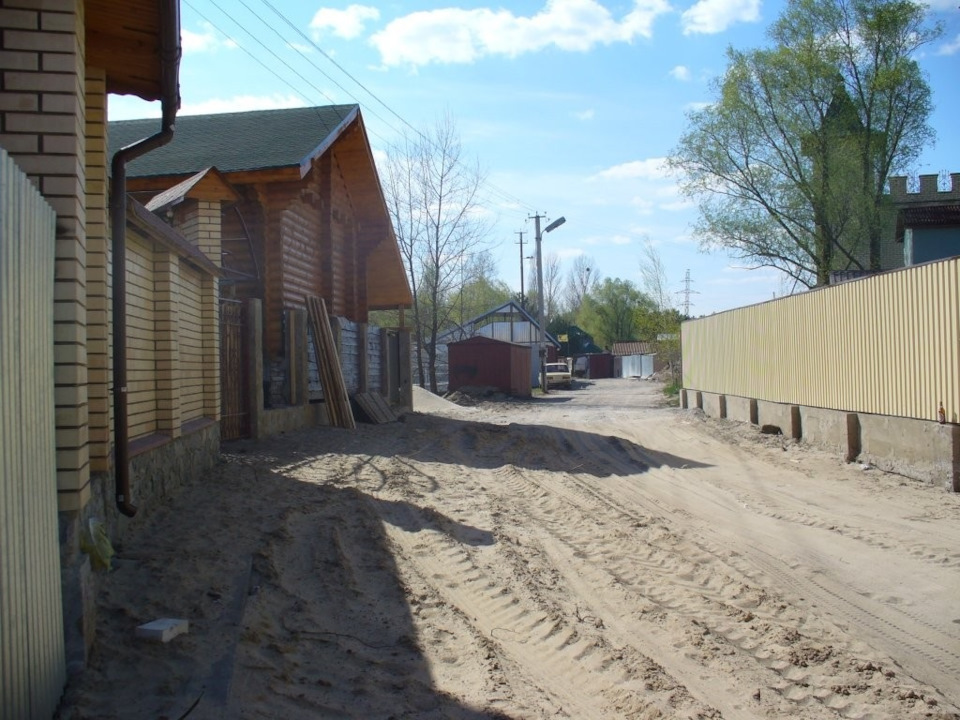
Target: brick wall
{"type": "Point", "coordinates": [42, 125]}
{"type": "Point", "coordinates": [99, 274]}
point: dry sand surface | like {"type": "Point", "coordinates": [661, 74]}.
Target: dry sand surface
{"type": "Point", "coordinates": [591, 554]}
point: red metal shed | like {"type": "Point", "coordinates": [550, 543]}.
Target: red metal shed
{"type": "Point", "coordinates": [485, 362]}
{"type": "Point", "coordinates": [601, 366]}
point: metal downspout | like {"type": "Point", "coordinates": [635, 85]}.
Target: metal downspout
{"type": "Point", "coordinates": [170, 103]}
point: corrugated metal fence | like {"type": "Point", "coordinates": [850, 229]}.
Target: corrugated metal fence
{"type": "Point", "coordinates": [31, 621]}
{"type": "Point", "coordinates": [887, 344]}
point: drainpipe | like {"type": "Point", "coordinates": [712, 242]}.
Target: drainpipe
{"type": "Point", "coordinates": [170, 103]}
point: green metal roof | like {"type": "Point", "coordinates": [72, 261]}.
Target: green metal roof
{"type": "Point", "coordinates": [233, 142]}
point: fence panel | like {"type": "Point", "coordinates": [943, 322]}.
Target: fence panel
{"type": "Point", "coordinates": [885, 344]}
{"type": "Point", "coordinates": [32, 661]}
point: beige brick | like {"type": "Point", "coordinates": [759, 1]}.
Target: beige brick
{"type": "Point", "coordinates": [16, 144]}
{"type": "Point", "coordinates": [48, 164]}
{"type": "Point", "coordinates": [66, 185]}
{"type": "Point", "coordinates": [66, 398]}
{"type": "Point", "coordinates": [59, 22]}
{"type": "Point", "coordinates": [41, 82]}
{"type": "Point", "coordinates": [72, 437]}
{"type": "Point", "coordinates": [19, 102]}
{"type": "Point", "coordinates": [14, 39]}
{"type": "Point", "coordinates": [68, 207]}
{"type": "Point", "coordinates": [59, 103]}
{"type": "Point", "coordinates": [19, 19]}
{"type": "Point", "coordinates": [69, 333]}
{"type": "Point", "coordinates": [70, 375]}
{"type": "Point", "coordinates": [40, 123]}
{"type": "Point", "coordinates": [73, 500]}
{"type": "Point", "coordinates": [60, 144]}
{"type": "Point", "coordinates": [19, 60]}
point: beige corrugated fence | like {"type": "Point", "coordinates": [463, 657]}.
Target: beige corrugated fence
{"type": "Point", "coordinates": [32, 665]}
{"type": "Point", "coordinates": [886, 344]}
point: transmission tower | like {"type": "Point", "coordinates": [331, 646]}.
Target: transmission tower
{"type": "Point", "coordinates": [687, 292]}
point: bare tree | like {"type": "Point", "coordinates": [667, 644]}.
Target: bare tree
{"type": "Point", "coordinates": [581, 281]}
{"type": "Point", "coordinates": [654, 277]}
{"type": "Point", "coordinates": [552, 281]}
{"type": "Point", "coordinates": [433, 196]}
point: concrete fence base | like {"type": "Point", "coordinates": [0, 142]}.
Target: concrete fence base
{"type": "Point", "coordinates": [918, 449]}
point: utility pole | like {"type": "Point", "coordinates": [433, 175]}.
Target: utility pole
{"type": "Point", "coordinates": [542, 349]}
{"type": "Point", "coordinates": [522, 258]}
{"type": "Point", "coordinates": [540, 319]}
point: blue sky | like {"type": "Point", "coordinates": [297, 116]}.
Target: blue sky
{"type": "Point", "coordinates": [568, 105]}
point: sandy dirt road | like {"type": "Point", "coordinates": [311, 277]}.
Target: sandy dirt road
{"type": "Point", "coordinates": [586, 555]}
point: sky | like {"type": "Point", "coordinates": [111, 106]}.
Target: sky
{"type": "Point", "coordinates": [568, 106]}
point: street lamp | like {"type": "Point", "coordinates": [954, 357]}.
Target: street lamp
{"type": "Point", "coordinates": [543, 330]}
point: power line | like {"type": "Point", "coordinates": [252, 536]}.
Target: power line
{"type": "Point", "coordinates": [491, 190]}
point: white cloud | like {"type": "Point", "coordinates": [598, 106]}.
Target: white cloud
{"type": "Point", "coordinates": [693, 106]}
{"type": "Point", "coordinates": [714, 16]}
{"type": "Point", "coordinates": [681, 73]}
{"type": "Point", "coordinates": [206, 41]}
{"type": "Point", "coordinates": [650, 169]}
{"type": "Point", "coordinates": [620, 240]}
{"type": "Point", "coordinates": [242, 103]}
{"type": "Point", "coordinates": [950, 48]}
{"type": "Point", "coordinates": [347, 24]}
{"type": "Point", "coordinates": [457, 35]}
{"type": "Point", "coordinates": [584, 115]}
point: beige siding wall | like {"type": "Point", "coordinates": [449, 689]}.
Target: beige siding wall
{"type": "Point", "coordinates": [31, 623]}
{"type": "Point", "coordinates": [886, 344]}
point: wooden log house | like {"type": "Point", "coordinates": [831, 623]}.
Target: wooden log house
{"type": "Point", "coordinates": [307, 219]}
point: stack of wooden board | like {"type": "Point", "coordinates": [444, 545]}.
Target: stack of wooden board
{"type": "Point", "coordinates": [375, 407]}
{"type": "Point", "coordinates": [328, 362]}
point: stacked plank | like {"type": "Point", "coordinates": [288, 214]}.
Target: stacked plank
{"type": "Point", "coordinates": [328, 362]}
{"type": "Point", "coordinates": [375, 407]}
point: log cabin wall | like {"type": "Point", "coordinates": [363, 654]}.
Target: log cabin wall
{"type": "Point", "coordinates": [310, 248]}
{"type": "Point", "coordinates": [242, 246]}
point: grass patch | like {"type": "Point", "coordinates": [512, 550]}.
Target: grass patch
{"type": "Point", "coordinates": [672, 388]}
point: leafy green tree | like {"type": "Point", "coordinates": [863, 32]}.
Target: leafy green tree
{"type": "Point", "coordinates": [611, 311]}
{"type": "Point", "coordinates": [791, 160]}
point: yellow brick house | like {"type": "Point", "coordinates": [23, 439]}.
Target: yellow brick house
{"type": "Point", "coordinates": [109, 338]}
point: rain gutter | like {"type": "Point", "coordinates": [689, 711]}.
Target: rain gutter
{"type": "Point", "coordinates": [170, 52]}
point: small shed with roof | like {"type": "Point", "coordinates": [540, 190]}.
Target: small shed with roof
{"type": "Point", "coordinates": [487, 362]}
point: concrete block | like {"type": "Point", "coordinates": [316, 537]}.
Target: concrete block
{"type": "Point", "coordinates": [825, 428]}
{"type": "Point", "coordinates": [920, 449]}
{"type": "Point", "coordinates": [738, 408]}
{"type": "Point", "coordinates": [772, 413]}
{"type": "Point", "coordinates": [711, 404]}
{"type": "Point", "coordinates": [162, 630]}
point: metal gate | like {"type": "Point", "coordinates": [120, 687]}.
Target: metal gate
{"type": "Point", "coordinates": [234, 366]}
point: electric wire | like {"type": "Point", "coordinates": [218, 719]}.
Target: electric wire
{"type": "Point", "coordinates": [501, 197]}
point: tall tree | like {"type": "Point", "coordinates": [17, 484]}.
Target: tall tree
{"type": "Point", "coordinates": [610, 313]}
{"type": "Point", "coordinates": [432, 192]}
{"type": "Point", "coordinates": [581, 281]}
{"type": "Point", "coordinates": [552, 280]}
{"type": "Point", "coordinates": [791, 160]}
